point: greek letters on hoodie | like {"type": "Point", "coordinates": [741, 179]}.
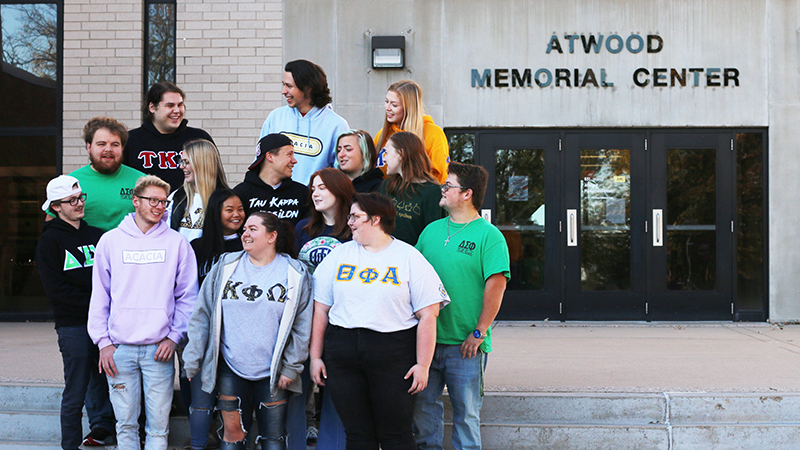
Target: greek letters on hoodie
{"type": "Point", "coordinates": [154, 153]}
{"type": "Point", "coordinates": [144, 285]}
{"type": "Point", "coordinates": [313, 135]}
{"type": "Point", "coordinates": [64, 257]}
{"type": "Point", "coordinates": [288, 201]}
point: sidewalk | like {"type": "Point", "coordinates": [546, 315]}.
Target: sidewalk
{"type": "Point", "coordinates": [556, 357]}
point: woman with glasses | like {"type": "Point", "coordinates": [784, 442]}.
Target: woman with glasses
{"type": "Point", "coordinates": [376, 300]}
{"type": "Point", "coordinates": [248, 335]}
{"type": "Point", "coordinates": [410, 186]}
{"type": "Point", "coordinates": [406, 112]}
{"type": "Point", "coordinates": [356, 157]}
{"type": "Point", "coordinates": [203, 174]}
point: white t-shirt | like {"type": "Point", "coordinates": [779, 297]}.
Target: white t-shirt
{"type": "Point", "coordinates": [378, 291]}
{"type": "Point", "coordinates": [190, 227]}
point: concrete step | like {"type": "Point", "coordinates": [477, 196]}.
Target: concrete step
{"type": "Point", "coordinates": [30, 445]}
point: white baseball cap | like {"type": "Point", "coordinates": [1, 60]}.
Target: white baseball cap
{"type": "Point", "coordinates": [60, 188]}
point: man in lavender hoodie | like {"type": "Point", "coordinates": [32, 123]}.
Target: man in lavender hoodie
{"type": "Point", "coordinates": [144, 284]}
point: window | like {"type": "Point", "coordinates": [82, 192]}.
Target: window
{"type": "Point", "coordinates": [30, 143]}
{"type": "Point", "coordinates": [159, 42]}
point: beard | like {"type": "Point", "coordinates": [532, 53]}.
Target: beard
{"type": "Point", "coordinates": [102, 166]}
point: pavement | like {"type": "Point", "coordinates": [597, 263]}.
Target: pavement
{"type": "Point", "coordinates": [556, 357]}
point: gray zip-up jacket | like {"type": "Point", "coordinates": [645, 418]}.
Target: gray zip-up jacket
{"type": "Point", "coordinates": [205, 326]}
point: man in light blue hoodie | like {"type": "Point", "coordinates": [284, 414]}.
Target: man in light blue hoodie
{"type": "Point", "coordinates": [144, 285]}
{"type": "Point", "coordinates": [307, 119]}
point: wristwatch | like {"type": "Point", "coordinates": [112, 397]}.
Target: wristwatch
{"type": "Point", "coordinates": [478, 335]}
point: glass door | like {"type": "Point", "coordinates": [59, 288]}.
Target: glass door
{"type": "Point", "coordinates": [691, 246]}
{"type": "Point", "coordinates": [604, 200]}
{"type": "Point", "coordinates": [523, 197]}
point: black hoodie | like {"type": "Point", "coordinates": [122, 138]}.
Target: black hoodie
{"type": "Point", "coordinates": [158, 154]}
{"type": "Point", "coordinates": [368, 182]}
{"type": "Point", "coordinates": [64, 257]}
{"type": "Point", "coordinates": [287, 202]}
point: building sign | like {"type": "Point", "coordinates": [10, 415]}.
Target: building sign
{"type": "Point", "coordinates": [601, 78]}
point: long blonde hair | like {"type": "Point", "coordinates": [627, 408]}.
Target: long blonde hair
{"type": "Point", "coordinates": [413, 109]}
{"type": "Point", "coordinates": [209, 175]}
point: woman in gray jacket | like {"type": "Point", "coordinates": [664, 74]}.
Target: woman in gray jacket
{"type": "Point", "coordinates": [249, 332]}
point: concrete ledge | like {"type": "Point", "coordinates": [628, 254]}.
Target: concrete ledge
{"type": "Point", "coordinates": [734, 408]}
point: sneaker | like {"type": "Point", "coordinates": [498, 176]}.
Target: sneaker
{"type": "Point", "coordinates": [312, 433]}
{"type": "Point", "coordinates": [98, 437]}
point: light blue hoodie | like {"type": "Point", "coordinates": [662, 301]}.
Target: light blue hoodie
{"type": "Point", "coordinates": [314, 136]}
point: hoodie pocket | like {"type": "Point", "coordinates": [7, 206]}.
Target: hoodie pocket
{"type": "Point", "coordinates": [139, 326]}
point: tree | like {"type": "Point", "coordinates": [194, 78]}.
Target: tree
{"type": "Point", "coordinates": [30, 38]}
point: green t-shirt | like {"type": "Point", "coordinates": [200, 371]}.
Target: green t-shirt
{"type": "Point", "coordinates": [415, 211]}
{"type": "Point", "coordinates": [473, 255]}
{"type": "Point", "coordinates": [108, 197]}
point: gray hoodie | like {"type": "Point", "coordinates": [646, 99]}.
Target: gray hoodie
{"type": "Point", "coordinates": [205, 327]}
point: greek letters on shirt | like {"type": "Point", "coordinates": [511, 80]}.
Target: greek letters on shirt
{"type": "Point", "coordinates": [236, 290]}
{"type": "Point", "coordinates": [367, 275]}
{"type": "Point", "coordinates": [466, 247]}
{"type": "Point", "coordinates": [163, 159]}
{"type": "Point", "coordinates": [257, 204]}
{"type": "Point", "coordinates": [72, 262]}
{"type": "Point", "coordinates": [405, 208]}
{"type": "Point", "coordinates": [126, 193]}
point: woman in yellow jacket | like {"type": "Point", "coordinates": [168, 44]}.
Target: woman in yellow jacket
{"type": "Point", "coordinates": [405, 112]}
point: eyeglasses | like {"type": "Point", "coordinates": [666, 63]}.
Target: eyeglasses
{"type": "Point", "coordinates": [73, 200]}
{"type": "Point", "coordinates": [184, 163]}
{"type": "Point", "coordinates": [354, 217]}
{"type": "Point", "coordinates": [155, 201]}
{"type": "Point", "coordinates": [447, 186]}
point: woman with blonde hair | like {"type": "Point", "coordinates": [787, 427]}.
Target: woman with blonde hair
{"type": "Point", "coordinates": [356, 157]}
{"type": "Point", "coordinates": [406, 112]}
{"type": "Point", "coordinates": [203, 174]}
{"type": "Point", "coordinates": [411, 188]}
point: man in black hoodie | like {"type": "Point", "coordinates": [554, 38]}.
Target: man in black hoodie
{"type": "Point", "coordinates": [268, 184]}
{"type": "Point", "coordinates": [64, 257]}
{"type": "Point", "coordinates": [155, 147]}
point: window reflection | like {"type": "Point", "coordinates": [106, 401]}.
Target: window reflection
{"type": "Point", "coordinates": [160, 59]}
{"type": "Point", "coordinates": [605, 219]}
{"type": "Point", "coordinates": [750, 219]}
{"type": "Point", "coordinates": [519, 178]}
{"type": "Point", "coordinates": [462, 147]}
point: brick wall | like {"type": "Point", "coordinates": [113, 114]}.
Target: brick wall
{"type": "Point", "coordinates": [229, 60]}
{"type": "Point", "coordinates": [103, 63]}
{"type": "Point", "coordinates": [229, 63]}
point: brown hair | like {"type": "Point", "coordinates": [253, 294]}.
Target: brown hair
{"type": "Point", "coordinates": [414, 164]}
{"type": "Point", "coordinates": [375, 204]}
{"type": "Point", "coordinates": [471, 177]}
{"type": "Point", "coordinates": [285, 240]}
{"type": "Point", "coordinates": [341, 188]}
{"type": "Point", "coordinates": [112, 125]}
{"type": "Point", "coordinates": [156, 93]}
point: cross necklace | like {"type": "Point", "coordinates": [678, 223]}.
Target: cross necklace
{"type": "Point", "coordinates": [447, 241]}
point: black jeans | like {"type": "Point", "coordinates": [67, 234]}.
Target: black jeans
{"type": "Point", "coordinates": [365, 381]}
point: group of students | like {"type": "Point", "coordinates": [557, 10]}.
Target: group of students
{"type": "Point", "coordinates": [320, 280]}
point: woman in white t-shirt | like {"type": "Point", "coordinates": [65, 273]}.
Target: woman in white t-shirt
{"type": "Point", "coordinates": [376, 300]}
{"type": "Point", "coordinates": [203, 174]}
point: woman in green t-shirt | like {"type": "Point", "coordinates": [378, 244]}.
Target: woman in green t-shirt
{"type": "Point", "coordinates": [411, 187]}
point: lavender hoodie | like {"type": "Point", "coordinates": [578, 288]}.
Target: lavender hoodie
{"type": "Point", "coordinates": [143, 285]}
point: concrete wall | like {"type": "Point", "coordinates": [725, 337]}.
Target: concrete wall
{"type": "Point", "coordinates": [446, 39]}
{"type": "Point", "coordinates": [229, 64]}
{"type": "Point", "coordinates": [784, 115]}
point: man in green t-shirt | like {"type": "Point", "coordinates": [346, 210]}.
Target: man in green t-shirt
{"type": "Point", "coordinates": [471, 257]}
{"type": "Point", "coordinates": [107, 183]}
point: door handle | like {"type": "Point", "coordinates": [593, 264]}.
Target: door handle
{"type": "Point", "coordinates": [572, 228]}
{"type": "Point", "coordinates": [658, 227]}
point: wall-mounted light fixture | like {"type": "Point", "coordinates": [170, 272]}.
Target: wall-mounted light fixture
{"type": "Point", "coordinates": [388, 52]}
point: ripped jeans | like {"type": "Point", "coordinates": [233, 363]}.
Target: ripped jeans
{"type": "Point", "coordinates": [140, 372]}
{"type": "Point", "coordinates": [270, 411]}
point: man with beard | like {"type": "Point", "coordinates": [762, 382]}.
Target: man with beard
{"type": "Point", "coordinates": [107, 183]}
{"type": "Point", "coordinates": [155, 147]}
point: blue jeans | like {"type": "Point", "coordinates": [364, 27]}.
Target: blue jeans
{"type": "Point", "coordinates": [331, 430]}
{"type": "Point", "coordinates": [296, 414]}
{"type": "Point", "coordinates": [140, 372]}
{"type": "Point", "coordinates": [201, 412]}
{"type": "Point", "coordinates": [82, 383]}
{"type": "Point", "coordinates": [464, 380]}
{"type": "Point", "coordinates": [270, 414]}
